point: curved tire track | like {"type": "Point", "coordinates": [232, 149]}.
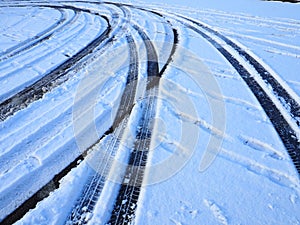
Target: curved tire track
{"type": "Point", "coordinates": [88, 199]}
{"type": "Point", "coordinates": [132, 181]}
{"type": "Point", "coordinates": [153, 74]}
{"type": "Point", "coordinates": [51, 80]}
{"type": "Point", "coordinates": [286, 133]}
{"type": "Point", "coordinates": [37, 39]}
{"type": "Point", "coordinates": [291, 105]}
{"type": "Point", "coordinates": [126, 202]}
{"type": "Point", "coordinates": [36, 93]}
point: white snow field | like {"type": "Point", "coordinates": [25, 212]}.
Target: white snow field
{"type": "Point", "coordinates": [131, 112]}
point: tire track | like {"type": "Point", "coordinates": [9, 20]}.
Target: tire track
{"type": "Point", "coordinates": [18, 152]}
{"type": "Point", "coordinates": [53, 184]}
{"type": "Point", "coordinates": [130, 187]}
{"type": "Point", "coordinates": [126, 202]}
{"type": "Point", "coordinates": [39, 38]}
{"type": "Point", "coordinates": [286, 133]}
{"type": "Point", "coordinates": [85, 205]}
{"type": "Point", "coordinates": [36, 62]}
{"type": "Point", "coordinates": [284, 97]}
{"type": "Point", "coordinates": [53, 79]}
{"type": "Point", "coordinates": [288, 102]}
{"type": "Point", "coordinates": [87, 201]}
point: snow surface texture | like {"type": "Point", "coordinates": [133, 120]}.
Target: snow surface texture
{"type": "Point", "coordinates": [213, 156]}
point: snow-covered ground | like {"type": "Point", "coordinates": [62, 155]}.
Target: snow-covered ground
{"type": "Point", "coordinates": [214, 156]}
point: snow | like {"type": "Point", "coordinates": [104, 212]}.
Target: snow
{"type": "Point", "coordinates": [215, 157]}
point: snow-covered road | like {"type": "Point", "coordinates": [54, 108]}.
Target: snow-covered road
{"type": "Point", "coordinates": [117, 113]}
